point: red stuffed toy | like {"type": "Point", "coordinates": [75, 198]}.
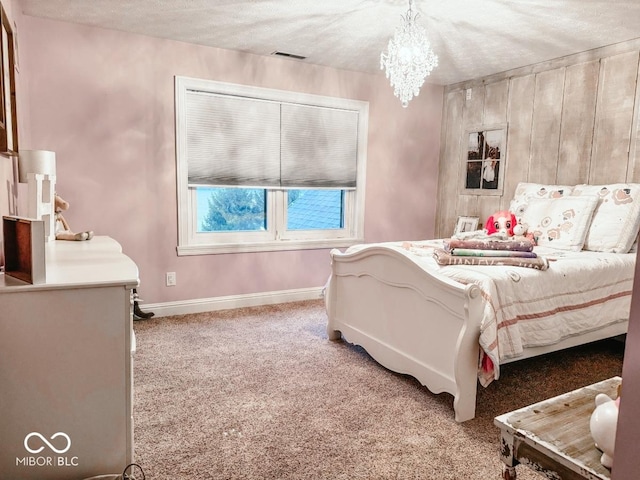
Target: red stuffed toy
{"type": "Point", "coordinates": [501, 222]}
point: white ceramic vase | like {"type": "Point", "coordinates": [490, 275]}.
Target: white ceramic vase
{"type": "Point", "coordinates": [603, 423]}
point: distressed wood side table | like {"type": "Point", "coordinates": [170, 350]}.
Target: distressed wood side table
{"type": "Point", "coordinates": [553, 438]}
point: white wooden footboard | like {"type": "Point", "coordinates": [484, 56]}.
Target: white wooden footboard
{"type": "Point", "coordinates": [409, 320]}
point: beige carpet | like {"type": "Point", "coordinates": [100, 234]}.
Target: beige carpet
{"type": "Point", "coordinates": [261, 393]}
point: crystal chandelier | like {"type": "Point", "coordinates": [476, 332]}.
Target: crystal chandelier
{"type": "Point", "coordinates": [409, 59]}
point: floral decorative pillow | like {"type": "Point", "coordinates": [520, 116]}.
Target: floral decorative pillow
{"type": "Point", "coordinates": [527, 191]}
{"type": "Point", "coordinates": [560, 222]}
{"type": "Point", "coordinates": [616, 220]}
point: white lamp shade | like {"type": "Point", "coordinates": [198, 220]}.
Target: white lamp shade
{"type": "Point", "coordinates": [35, 161]}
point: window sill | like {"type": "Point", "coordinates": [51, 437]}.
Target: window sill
{"type": "Point", "coordinates": [209, 249]}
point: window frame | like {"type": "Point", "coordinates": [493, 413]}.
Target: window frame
{"type": "Point", "coordinates": [276, 236]}
{"type": "Point", "coordinates": [465, 160]}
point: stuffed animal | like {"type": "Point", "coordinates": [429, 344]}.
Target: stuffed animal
{"type": "Point", "coordinates": [502, 223]}
{"type": "Point", "coordinates": [520, 233]}
{"type": "Point", "coordinates": [63, 231]}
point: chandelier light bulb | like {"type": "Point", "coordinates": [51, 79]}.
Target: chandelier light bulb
{"type": "Point", "coordinates": [409, 58]}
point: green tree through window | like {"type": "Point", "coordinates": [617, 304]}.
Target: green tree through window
{"type": "Point", "coordinates": [235, 209]}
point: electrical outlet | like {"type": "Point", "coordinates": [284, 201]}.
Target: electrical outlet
{"type": "Point", "coordinates": [171, 279]}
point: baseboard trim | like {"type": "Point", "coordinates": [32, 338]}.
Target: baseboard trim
{"type": "Point", "coordinates": [233, 301]}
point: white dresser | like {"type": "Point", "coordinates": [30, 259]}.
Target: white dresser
{"type": "Point", "coordinates": [66, 365]}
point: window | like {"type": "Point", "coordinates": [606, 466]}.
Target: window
{"type": "Point", "coordinates": [484, 160]}
{"type": "Point", "coordinates": [262, 169]}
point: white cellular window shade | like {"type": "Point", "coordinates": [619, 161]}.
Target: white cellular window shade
{"type": "Point", "coordinates": [249, 142]}
{"type": "Point", "coordinates": [232, 141]}
{"type": "Point", "coordinates": [319, 147]}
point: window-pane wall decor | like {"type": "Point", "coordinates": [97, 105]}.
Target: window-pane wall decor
{"type": "Point", "coordinates": [484, 160]}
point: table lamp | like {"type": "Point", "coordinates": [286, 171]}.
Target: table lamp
{"type": "Point", "coordinates": [38, 169]}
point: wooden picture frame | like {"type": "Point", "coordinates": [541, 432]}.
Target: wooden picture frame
{"type": "Point", "coordinates": [8, 114]}
{"type": "Point", "coordinates": [483, 163]}
{"type": "Point", "coordinates": [466, 224]}
{"type": "Point", "coordinates": [24, 248]}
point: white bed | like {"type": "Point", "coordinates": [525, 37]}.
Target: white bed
{"type": "Point", "coordinates": [440, 323]}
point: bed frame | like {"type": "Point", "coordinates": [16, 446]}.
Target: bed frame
{"type": "Point", "coordinates": [417, 322]}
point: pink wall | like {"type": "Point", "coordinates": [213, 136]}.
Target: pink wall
{"type": "Point", "coordinates": [103, 101]}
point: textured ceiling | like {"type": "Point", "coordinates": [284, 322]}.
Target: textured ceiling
{"type": "Point", "coordinates": [473, 38]}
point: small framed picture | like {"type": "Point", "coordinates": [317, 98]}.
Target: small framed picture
{"type": "Point", "coordinates": [466, 224]}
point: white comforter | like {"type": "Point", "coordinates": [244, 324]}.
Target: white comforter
{"type": "Point", "coordinates": [579, 292]}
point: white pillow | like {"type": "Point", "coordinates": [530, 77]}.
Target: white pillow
{"type": "Point", "coordinates": [560, 222]}
{"type": "Point", "coordinates": [527, 191]}
{"type": "Point", "coordinates": [615, 223]}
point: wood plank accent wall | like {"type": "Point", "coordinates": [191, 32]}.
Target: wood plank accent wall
{"type": "Point", "coordinates": [569, 121]}
{"type": "Point", "coordinates": [578, 114]}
